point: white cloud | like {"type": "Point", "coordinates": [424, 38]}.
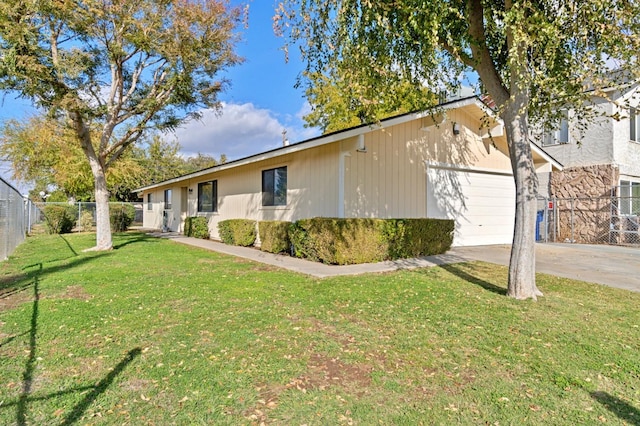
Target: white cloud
{"type": "Point", "coordinates": [238, 131]}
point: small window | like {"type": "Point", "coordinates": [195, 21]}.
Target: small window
{"type": "Point", "coordinates": [167, 199]}
{"type": "Point", "coordinates": [149, 202]}
{"type": "Point", "coordinates": [560, 133]}
{"type": "Point", "coordinates": [634, 125]}
{"type": "Point", "coordinates": [274, 187]}
{"type": "Point", "coordinates": [208, 196]}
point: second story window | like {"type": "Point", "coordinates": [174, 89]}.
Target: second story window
{"type": "Point", "coordinates": [560, 134]}
{"type": "Point", "coordinates": [634, 125]}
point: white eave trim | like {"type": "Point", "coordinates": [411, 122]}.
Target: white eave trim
{"type": "Point", "coordinates": [339, 136]}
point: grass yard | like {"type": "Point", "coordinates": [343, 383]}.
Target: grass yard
{"type": "Point", "coordinates": [158, 333]}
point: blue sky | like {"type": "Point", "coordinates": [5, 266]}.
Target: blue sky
{"type": "Point", "coordinates": [260, 103]}
{"type": "Point", "coordinates": [262, 100]}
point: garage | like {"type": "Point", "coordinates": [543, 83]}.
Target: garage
{"type": "Point", "coordinates": [481, 202]}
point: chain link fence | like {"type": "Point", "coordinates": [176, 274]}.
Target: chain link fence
{"type": "Point", "coordinates": [590, 220]}
{"type": "Point", "coordinates": [15, 214]}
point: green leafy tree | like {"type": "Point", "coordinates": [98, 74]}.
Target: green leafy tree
{"type": "Point", "coordinates": [338, 102]}
{"type": "Point", "coordinates": [43, 152]}
{"type": "Point", "coordinates": [161, 159]}
{"type": "Point", "coordinates": [121, 67]}
{"type": "Point", "coordinates": [532, 57]}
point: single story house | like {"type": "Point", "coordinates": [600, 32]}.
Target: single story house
{"type": "Point", "coordinates": [451, 162]}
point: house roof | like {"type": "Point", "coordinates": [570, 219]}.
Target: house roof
{"type": "Point", "coordinates": [471, 104]}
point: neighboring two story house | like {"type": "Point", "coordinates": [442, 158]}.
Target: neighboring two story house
{"type": "Point", "coordinates": [598, 191]}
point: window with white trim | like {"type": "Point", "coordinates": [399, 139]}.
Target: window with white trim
{"type": "Point", "coordinates": [634, 125]}
{"type": "Point", "coordinates": [629, 198]}
{"type": "Point", "coordinates": [274, 187]}
{"type": "Point", "coordinates": [208, 196]}
{"type": "Point", "coordinates": [167, 199]}
{"type": "Point", "coordinates": [560, 133]}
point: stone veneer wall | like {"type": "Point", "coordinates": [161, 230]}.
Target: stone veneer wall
{"type": "Point", "coordinates": [583, 196]}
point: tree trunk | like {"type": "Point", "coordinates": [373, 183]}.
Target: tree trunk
{"type": "Point", "coordinates": [103, 223]}
{"type": "Point", "coordinates": [522, 277]}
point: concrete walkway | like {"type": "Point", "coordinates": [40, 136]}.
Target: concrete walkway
{"type": "Point", "coordinates": [316, 269]}
{"type": "Point", "coordinates": [608, 265]}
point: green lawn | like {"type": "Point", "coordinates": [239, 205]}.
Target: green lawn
{"type": "Point", "coordinates": [158, 333]}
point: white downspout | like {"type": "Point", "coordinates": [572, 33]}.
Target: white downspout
{"type": "Point", "coordinates": [341, 182]}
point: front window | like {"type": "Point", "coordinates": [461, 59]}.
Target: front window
{"type": "Point", "coordinates": [208, 196]}
{"type": "Point", "coordinates": [634, 125]}
{"type": "Point", "coordinates": [149, 202]}
{"type": "Point", "coordinates": [274, 187]}
{"type": "Point", "coordinates": [167, 199]}
{"type": "Point", "coordinates": [629, 198]}
{"type": "Point", "coordinates": [560, 133]}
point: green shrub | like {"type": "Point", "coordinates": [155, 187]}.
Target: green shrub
{"type": "Point", "coordinates": [121, 216]}
{"type": "Point", "coordinates": [274, 236]}
{"type": "Point", "coordinates": [197, 227]}
{"type": "Point", "coordinates": [339, 241]}
{"type": "Point", "coordinates": [86, 221]}
{"type": "Point", "coordinates": [60, 218]}
{"type": "Point", "coordinates": [418, 237]}
{"type": "Point", "coordinates": [351, 241]}
{"type": "Point", "coordinates": [238, 232]}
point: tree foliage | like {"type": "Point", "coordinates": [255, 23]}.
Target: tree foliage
{"type": "Point", "coordinates": [44, 153]}
{"type": "Point", "coordinates": [119, 67]}
{"type": "Point", "coordinates": [532, 57]}
{"type": "Point", "coordinates": [338, 102]}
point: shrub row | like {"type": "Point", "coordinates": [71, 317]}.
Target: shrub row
{"type": "Point", "coordinates": [336, 241]}
{"type": "Point", "coordinates": [344, 241]}
{"type": "Point", "coordinates": [349, 241]}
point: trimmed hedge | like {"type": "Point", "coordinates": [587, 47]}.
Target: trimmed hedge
{"type": "Point", "coordinates": [60, 218]}
{"type": "Point", "coordinates": [352, 241]}
{"type": "Point", "coordinates": [238, 232]}
{"type": "Point", "coordinates": [274, 236]}
{"type": "Point", "coordinates": [418, 237]}
{"type": "Point", "coordinates": [197, 227]}
{"type": "Point", "coordinates": [121, 216]}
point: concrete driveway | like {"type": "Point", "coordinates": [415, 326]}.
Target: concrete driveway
{"type": "Point", "coordinates": [613, 266]}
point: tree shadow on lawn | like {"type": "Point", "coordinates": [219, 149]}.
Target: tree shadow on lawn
{"type": "Point", "coordinates": [134, 238]}
{"type": "Point", "coordinates": [28, 374]}
{"type": "Point", "coordinates": [461, 272]}
{"type": "Point", "coordinates": [620, 408]}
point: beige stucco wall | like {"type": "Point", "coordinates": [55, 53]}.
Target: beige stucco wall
{"type": "Point", "coordinates": [389, 179]}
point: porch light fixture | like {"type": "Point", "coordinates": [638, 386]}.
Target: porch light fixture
{"type": "Point", "coordinates": [456, 128]}
{"type": "Point", "coordinates": [190, 190]}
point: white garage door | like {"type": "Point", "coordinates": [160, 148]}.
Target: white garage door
{"type": "Point", "coordinates": [482, 203]}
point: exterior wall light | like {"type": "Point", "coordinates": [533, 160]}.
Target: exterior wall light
{"type": "Point", "coordinates": [456, 128]}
